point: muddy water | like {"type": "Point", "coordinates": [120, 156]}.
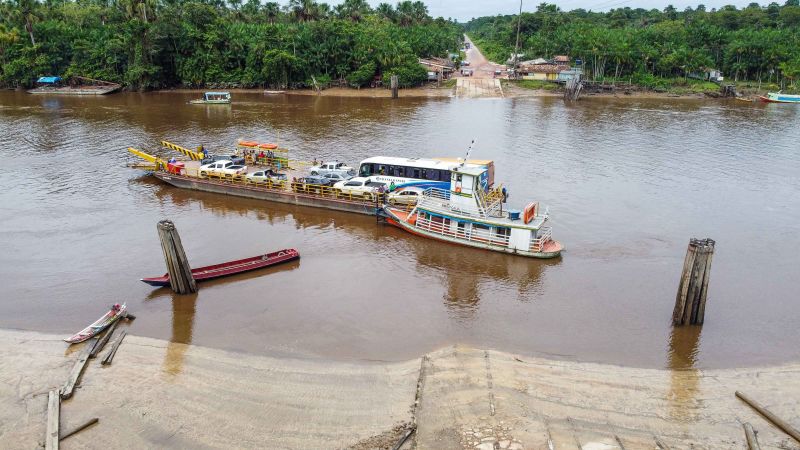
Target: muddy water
{"type": "Point", "coordinates": [628, 182]}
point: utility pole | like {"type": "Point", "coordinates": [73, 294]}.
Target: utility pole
{"type": "Point", "coordinates": [516, 47]}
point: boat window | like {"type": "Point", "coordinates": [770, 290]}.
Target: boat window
{"type": "Point", "coordinates": [502, 231]}
{"type": "Point", "coordinates": [416, 173]}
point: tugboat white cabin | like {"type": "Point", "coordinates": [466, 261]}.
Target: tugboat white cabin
{"type": "Point", "coordinates": [469, 214]}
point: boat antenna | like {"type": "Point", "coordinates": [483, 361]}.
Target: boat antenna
{"type": "Point", "coordinates": [471, 144]}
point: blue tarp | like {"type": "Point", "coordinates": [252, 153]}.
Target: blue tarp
{"type": "Point", "coordinates": [48, 80]}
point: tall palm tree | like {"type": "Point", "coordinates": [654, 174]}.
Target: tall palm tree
{"type": "Point", "coordinates": [405, 13]}
{"type": "Point", "coordinates": [354, 10]}
{"type": "Point", "coordinates": [386, 11]}
{"type": "Point", "coordinates": [272, 10]}
{"type": "Point", "coordinates": [304, 10]}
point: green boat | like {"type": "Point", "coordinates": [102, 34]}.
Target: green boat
{"type": "Point", "coordinates": [213, 98]}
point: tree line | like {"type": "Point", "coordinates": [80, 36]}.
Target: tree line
{"type": "Point", "coordinates": [753, 43]}
{"type": "Point", "coordinates": [150, 44]}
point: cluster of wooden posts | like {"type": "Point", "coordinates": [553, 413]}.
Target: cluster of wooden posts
{"type": "Point", "coordinates": [690, 303]}
{"type": "Point", "coordinates": [181, 279]}
{"type": "Point", "coordinates": [54, 435]}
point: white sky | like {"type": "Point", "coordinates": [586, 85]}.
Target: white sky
{"type": "Point", "coordinates": [463, 10]}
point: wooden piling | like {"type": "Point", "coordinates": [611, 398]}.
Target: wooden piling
{"type": "Point", "coordinates": [690, 302]}
{"type": "Point", "coordinates": [395, 85]}
{"type": "Point", "coordinates": [180, 273]}
{"type": "Point", "coordinates": [53, 419]}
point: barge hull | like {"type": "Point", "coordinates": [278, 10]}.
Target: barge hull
{"type": "Point", "coordinates": [280, 196]}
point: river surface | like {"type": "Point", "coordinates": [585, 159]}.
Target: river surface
{"type": "Point", "coordinates": [628, 182]}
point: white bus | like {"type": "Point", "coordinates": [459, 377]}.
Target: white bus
{"type": "Point", "coordinates": [387, 169]}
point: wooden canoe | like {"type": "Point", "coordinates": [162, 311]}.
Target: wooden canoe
{"type": "Point", "coordinates": [100, 324]}
{"type": "Point", "coordinates": [232, 267]}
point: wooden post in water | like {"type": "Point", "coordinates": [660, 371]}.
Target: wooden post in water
{"type": "Point", "coordinates": [690, 303]}
{"type": "Point", "coordinates": [394, 85]}
{"type": "Point", "coordinates": [180, 274]}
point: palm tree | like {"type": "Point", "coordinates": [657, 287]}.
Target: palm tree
{"type": "Point", "coordinates": [304, 10]}
{"type": "Point", "coordinates": [386, 11]}
{"type": "Point", "coordinates": [272, 10]}
{"type": "Point", "coordinates": [405, 13]}
{"type": "Point", "coordinates": [354, 10]}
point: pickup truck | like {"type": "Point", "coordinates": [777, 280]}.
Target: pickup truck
{"type": "Point", "coordinates": [223, 168]}
{"type": "Point", "coordinates": [336, 167]}
{"type": "Point", "coordinates": [214, 158]}
{"type": "Point", "coordinates": [358, 187]}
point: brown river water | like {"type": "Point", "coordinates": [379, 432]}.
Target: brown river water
{"type": "Point", "coordinates": [628, 182]}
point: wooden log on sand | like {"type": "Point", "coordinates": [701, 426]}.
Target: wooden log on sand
{"type": "Point", "coordinates": [690, 302]}
{"type": "Point", "coordinates": [98, 346]}
{"type": "Point", "coordinates": [77, 370]}
{"type": "Point", "coordinates": [777, 421]}
{"type": "Point", "coordinates": [53, 417]}
{"type": "Point", "coordinates": [80, 428]}
{"type": "Point", "coordinates": [113, 350]}
{"type": "Point", "coordinates": [750, 435]}
{"type": "Point", "coordinates": [181, 279]}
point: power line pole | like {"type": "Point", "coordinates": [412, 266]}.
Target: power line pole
{"type": "Point", "coordinates": [516, 47]}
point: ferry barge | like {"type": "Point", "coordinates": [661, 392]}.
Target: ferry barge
{"type": "Point", "coordinates": [467, 215]}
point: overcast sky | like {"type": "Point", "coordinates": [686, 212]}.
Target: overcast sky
{"type": "Point", "coordinates": [464, 10]}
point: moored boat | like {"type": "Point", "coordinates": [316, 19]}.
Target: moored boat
{"type": "Point", "coordinates": [74, 86]}
{"type": "Point", "coordinates": [468, 214]}
{"type": "Point", "coordinates": [232, 267]}
{"type": "Point", "coordinates": [778, 97]}
{"type": "Point", "coordinates": [115, 313]}
{"type": "Point", "coordinates": [213, 98]}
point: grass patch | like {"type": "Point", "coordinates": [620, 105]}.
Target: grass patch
{"type": "Point", "coordinates": [534, 84]}
{"type": "Point", "coordinates": [449, 84]}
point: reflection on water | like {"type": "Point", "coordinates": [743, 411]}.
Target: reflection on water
{"type": "Point", "coordinates": [684, 344]}
{"type": "Point", "coordinates": [183, 311]}
{"type": "Point", "coordinates": [621, 176]}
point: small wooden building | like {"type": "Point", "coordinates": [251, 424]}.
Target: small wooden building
{"type": "Point", "coordinates": [439, 65]}
{"type": "Point", "coordinates": [544, 72]}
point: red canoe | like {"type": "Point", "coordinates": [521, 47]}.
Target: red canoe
{"type": "Point", "coordinates": [232, 267]}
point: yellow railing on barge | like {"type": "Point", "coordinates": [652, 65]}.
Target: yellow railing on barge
{"type": "Point", "coordinates": [290, 186]}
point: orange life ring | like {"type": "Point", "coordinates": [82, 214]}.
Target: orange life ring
{"type": "Point", "coordinates": [248, 143]}
{"type": "Point", "coordinates": [268, 146]}
{"type": "Point", "coordinates": [458, 189]}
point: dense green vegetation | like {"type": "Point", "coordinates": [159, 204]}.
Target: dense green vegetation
{"type": "Point", "coordinates": [162, 43]}
{"type": "Point", "coordinates": [654, 48]}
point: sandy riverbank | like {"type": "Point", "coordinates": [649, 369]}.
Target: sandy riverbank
{"type": "Point", "coordinates": [160, 394]}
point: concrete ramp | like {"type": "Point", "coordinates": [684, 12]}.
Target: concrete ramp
{"type": "Point", "coordinates": [478, 87]}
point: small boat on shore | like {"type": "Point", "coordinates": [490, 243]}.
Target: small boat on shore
{"type": "Point", "coordinates": [74, 86]}
{"type": "Point", "coordinates": [213, 98]}
{"type": "Point", "coordinates": [469, 214]}
{"type": "Point", "coordinates": [778, 97]}
{"type": "Point", "coordinates": [115, 313]}
{"type": "Point", "coordinates": [232, 267]}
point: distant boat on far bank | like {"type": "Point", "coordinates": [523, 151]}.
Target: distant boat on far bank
{"type": "Point", "coordinates": [213, 98]}
{"type": "Point", "coordinates": [777, 97]}
{"type": "Point", "coordinates": [74, 86]}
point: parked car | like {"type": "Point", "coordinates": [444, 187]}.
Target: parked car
{"type": "Point", "coordinates": [262, 176]}
{"type": "Point", "coordinates": [404, 196]}
{"type": "Point", "coordinates": [336, 177]}
{"type": "Point", "coordinates": [223, 168]}
{"type": "Point", "coordinates": [313, 183]}
{"type": "Point", "coordinates": [360, 187]}
{"type": "Point", "coordinates": [214, 158]}
{"type": "Point", "coordinates": [332, 167]}
{"type": "Point", "coordinates": [464, 63]}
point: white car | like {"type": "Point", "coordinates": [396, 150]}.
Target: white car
{"type": "Point", "coordinates": [336, 167]}
{"type": "Point", "coordinates": [404, 196]}
{"type": "Point", "coordinates": [263, 176]}
{"type": "Point", "coordinates": [358, 187]}
{"type": "Point", "coordinates": [223, 168]}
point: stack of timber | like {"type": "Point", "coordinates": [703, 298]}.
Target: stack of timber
{"type": "Point", "coordinates": [690, 303]}
{"type": "Point", "coordinates": [180, 274]}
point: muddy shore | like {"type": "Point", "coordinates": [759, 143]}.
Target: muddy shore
{"type": "Point", "coordinates": [161, 394]}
